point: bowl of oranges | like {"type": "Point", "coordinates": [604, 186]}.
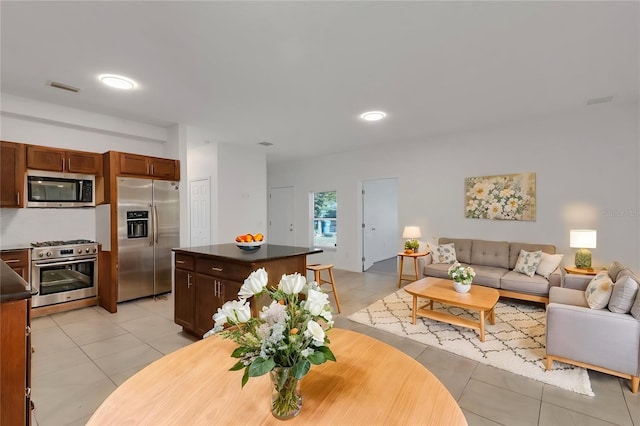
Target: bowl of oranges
{"type": "Point", "coordinates": [249, 242]}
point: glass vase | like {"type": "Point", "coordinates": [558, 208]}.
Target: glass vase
{"type": "Point", "coordinates": [286, 401]}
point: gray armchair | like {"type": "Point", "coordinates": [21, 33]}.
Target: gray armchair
{"type": "Point", "coordinates": [596, 339]}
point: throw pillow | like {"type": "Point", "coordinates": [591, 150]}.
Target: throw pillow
{"type": "Point", "coordinates": [548, 264]}
{"type": "Point", "coordinates": [528, 262]}
{"type": "Point", "coordinates": [623, 294]}
{"type": "Point", "coordinates": [614, 270]}
{"type": "Point", "coordinates": [599, 290]}
{"type": "Point", "coordinates": [446, 253]}
{"type": "Point", "coordinates": [635, 309]}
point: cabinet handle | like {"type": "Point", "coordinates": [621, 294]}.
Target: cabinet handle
{"type": "Point", "coordinates": [188, 280]}
{"type": "Point", "coordinates": [152, 171]}
{"type": "Point", "coordinates": [18, 197]}
{"type": "Point", "coordinates": [69, 164]}
{"type": "Point", "coordinates": [180, 261]}
{"type": "Point", "coordinates": [213, 268]}
{"type": "Point", "coordinates": [12, 261]}
{"type": "Point", "coordinates": [28, 330]}
{"type": "Point", "coordinates": [62, 161]}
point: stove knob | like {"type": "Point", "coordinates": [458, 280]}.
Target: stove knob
{"type": "Point", "coordinates": [95, 250]}
{"type": "Point", "coordinates": [79, 251]}
{"type": "Point", "coordinates": [86, 250]}
{"type": "Point", "coordinates": [41, 254]}
{"type": "Point", "coordinates": [49, 254]}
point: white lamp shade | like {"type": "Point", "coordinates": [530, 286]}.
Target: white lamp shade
{"type": "Point", "coordinates": [411, 232]}
{"type": "Point", "coordinates": [582, 238]}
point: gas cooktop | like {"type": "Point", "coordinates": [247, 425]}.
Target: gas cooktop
{"type": "Point", "coordinates": [55, 243]}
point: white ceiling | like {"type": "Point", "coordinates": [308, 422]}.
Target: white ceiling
{"type": "Point", "coordinates": [298, 74]}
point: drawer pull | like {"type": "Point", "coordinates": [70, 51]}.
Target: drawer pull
{"type": "Point", "coordinates": [213, 268]}
{"type": "Point", "coordinates": [180, 261]}
{"type": "Point", "coordinates": [12, 261]}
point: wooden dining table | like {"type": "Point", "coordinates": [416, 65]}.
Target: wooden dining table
{"type": "Point", "coordinates": [371, 383]}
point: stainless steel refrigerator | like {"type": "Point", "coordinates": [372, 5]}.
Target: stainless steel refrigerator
{"type": "Point", "coordinates": [148, 228]}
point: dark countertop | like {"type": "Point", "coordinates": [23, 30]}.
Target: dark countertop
{"type": "Point", "coordinates": [12, 286]}
{"type": "Point", "coordinates": [22, 246]}
{"type": "Point", "coordinates": [265, 252]}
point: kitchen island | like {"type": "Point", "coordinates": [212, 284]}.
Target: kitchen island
{"type": "Point", "coordinates": [208, 276]}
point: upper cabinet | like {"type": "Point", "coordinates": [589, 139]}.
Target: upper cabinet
{"type": "Point", "coordinates": [63, 160]}
{"type": "Point", "coordinates": [12, 171]}
{"type": "Point", "coordinates": [144, 166]}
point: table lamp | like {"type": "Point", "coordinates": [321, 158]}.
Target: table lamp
{"type": "Point", "coordinates": [582, 239]}
{"type": "Point", "coordinates": [411, 233]}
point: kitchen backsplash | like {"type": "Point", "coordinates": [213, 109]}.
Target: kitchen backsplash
{"type": "Point", "coordinates": [21, 226]}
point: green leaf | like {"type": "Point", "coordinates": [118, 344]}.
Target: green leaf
{"type": "Point", "coordinates": [316, 358]}
{"type": "Point", "coordinates": [261, 366]}
{"type": "Point", "coordinates": [301, 368]}
{"type": "Point", "coordinates": [327, 353]}
{"type": "Point", "coordinates": [239, 351]}
{"type": "Point", "coordinates": [245, 376]}
{"type": "Point", "coordinates": [237, 366]}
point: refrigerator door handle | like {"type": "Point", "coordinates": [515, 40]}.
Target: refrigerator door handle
{"type": "Point", "coordinates": [152, 230]}
{"type": "Point", "coordinates": [155, 223]}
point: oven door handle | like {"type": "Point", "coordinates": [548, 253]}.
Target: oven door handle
{"type": "Point", "coordinates": [70, 262]}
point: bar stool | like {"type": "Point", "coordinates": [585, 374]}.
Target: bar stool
{"type": "Point", "coordinates": [317, 268]}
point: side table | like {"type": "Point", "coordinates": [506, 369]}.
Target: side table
{"type": "Point", "coordinates": [581, 271]}
{"type": "Point", "coordinates": [415, 257]}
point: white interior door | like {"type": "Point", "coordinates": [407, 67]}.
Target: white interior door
{"type": "Point", "coordinates": [380, 220]}
{"type": "Point", "coordinates": [281, 216]}
{"type": "Point", "coordinates": [200, 212]}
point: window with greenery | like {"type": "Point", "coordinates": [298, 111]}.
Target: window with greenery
{"type": "Point", "coordinates": [324, 219]}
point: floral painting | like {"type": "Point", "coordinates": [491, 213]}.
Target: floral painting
{"type": "Point", "coordinates": [506, 197]}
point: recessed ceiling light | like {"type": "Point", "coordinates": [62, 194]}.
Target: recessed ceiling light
{"type": "Point", "coordinates": [373, 115]}
{"type": "Point", "coordinates": [117, 81]}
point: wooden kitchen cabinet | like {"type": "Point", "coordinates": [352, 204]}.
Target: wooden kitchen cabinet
{"type": "Point", "coordinates": [60, 160]}
{"type": "Point", "coordinates": [185, 291]}
{"type": "Point", "coordinates": [145, 166]}
{"type": "Point", "coordinates": [211, 294]}
{"type": "Point", "coordinates": [12, 174]}
{"type": "Point", "coordinates": [15, 349]}
{"type": "Point", "coordinates": [18, 260]}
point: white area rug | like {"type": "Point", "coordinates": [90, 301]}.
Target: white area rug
{"type": "Point", "coordinates": [516, 342]}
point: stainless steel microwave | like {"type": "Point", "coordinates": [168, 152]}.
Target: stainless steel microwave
{"type": "Point", "coordinates": [54, 189]}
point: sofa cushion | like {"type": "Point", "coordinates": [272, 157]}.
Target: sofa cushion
{"type": "Point", "coordinates": [463, 248]}
{"type": "Point", "coordinates": [445, 253]}
{"type": "Point", "coordinates": [489, 276]}
{"type": "Point", "coordinates": [514, 251]}
{"type": "Point", "coordinates": [599, 290]}
{"type": "Point", "coordinates": [635, 309]}
{"type": "Point", "coordinates": [515, 281]}
{"type": "Point", "coordinates": [548, 264]}
{"type": "Point", "coordinates": [614, 270]}
{"type": "Point", "coordinates": [623, 294]}
{"type": "Point", "coordinates": [528, 262]}
{"type": "Point", "coordinates": [490, 253]}
{"type": "Point", "coordinates": [567, 296]}
{"type": "Point", "coordinates": [438, 270]}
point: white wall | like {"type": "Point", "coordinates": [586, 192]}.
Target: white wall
{"type": "Point", "coordinates": [40, 123]}
{"type": "Point", "coordinates": [585, 163]}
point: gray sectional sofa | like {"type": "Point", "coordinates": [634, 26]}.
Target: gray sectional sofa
{"type": "Point", "coordinates": [493, 262]}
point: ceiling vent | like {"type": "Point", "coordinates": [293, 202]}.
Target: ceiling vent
{"type": "Point", "coordinates": [63, 86]}
{"type": "Point", "coordinates": [265, 143]}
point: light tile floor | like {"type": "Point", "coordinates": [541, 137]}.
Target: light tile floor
{"type": "Point", "coordinates": [81, 356]}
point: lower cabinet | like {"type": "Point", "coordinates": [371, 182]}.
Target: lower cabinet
{"type": "Point", "coordinates": [15, 352]}
{"type": "Point", "coordinates": [198, 296]}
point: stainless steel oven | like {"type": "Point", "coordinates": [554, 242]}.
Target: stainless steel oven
{"type": "Point", "coordinates": [62, 271]}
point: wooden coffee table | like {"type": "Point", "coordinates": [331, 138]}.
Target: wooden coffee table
{"type": "Point", "coordinates": [479, 298]}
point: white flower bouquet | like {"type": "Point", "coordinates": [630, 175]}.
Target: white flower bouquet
{"type": "Point", "coordinates": [290, 333]}
{"type": "Point", "coordinates": [461, 274]}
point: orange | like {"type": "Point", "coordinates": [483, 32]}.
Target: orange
{"type": "Point", "coordinates": [259, 237]}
